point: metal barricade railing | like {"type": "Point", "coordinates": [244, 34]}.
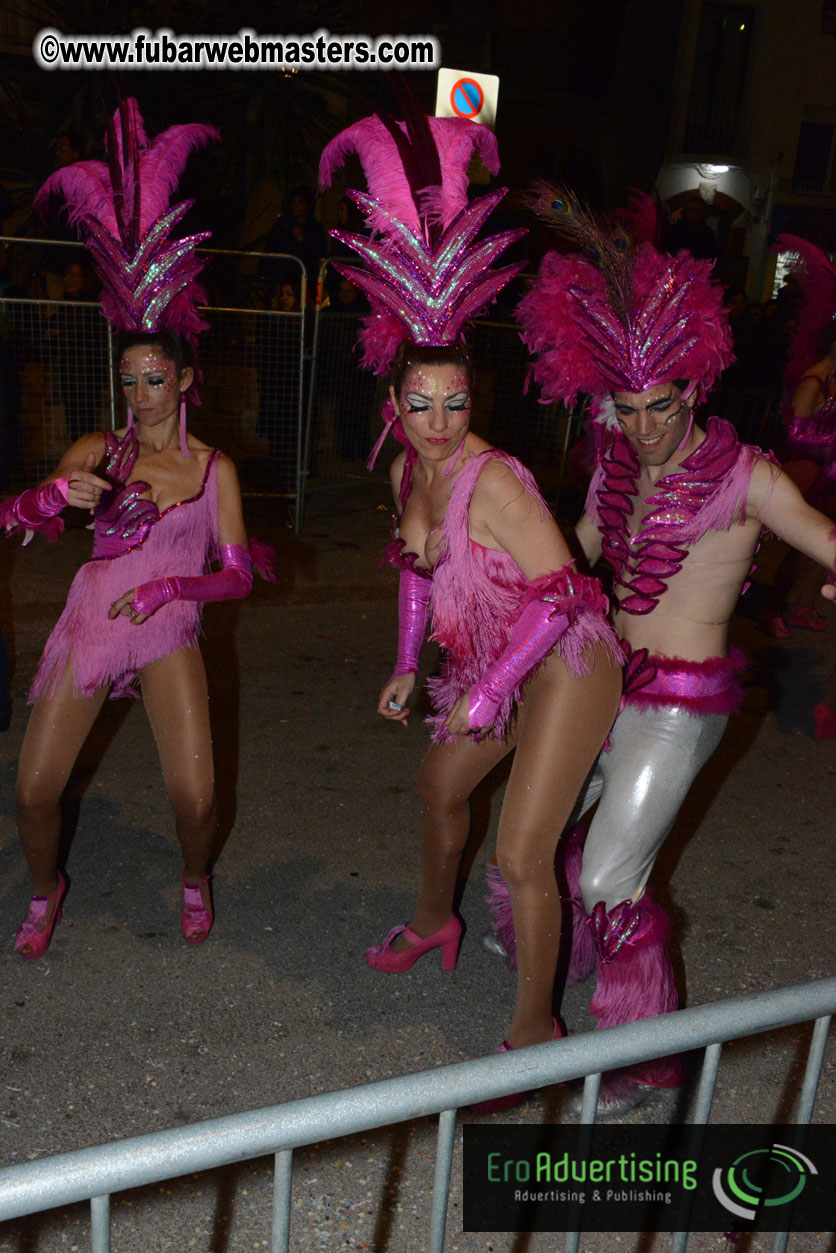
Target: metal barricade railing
{"type": "Point", "coordinates": [253, 360]}
{"type": "Point", "coordinates": [95, 1173]}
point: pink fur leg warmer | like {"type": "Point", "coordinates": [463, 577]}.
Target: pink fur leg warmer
{"type": "Point", "coordinates": [635, 977]}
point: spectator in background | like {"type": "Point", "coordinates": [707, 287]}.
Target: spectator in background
{"type": "Point", "coordinates": [347, 396]}
{"type": "Point", "coordinates": [741, 377]}
{"type": "Point", "coordinates": [77, 358]}
{"type": "Point", "coordinates": [298, 233]}
{"type": "Point", "coordinates": [348, 219]}
{"type": "Point", "coordinates": [690, 229]}
{"type": "Point", "coordinates": [771, 345]}
{"type": "Point", "coordinates": [66, 150]}
{"type": "Point", "coordinates": [6, 206]}
{"type": "Point", "coordinates": [9, 289]}
{"type": "Point", "coordinates": [789, 297]}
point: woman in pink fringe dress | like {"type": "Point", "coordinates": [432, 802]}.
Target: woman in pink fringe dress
{"type": "Point", "coordinates": [531, 663]}
{"type": "Point", "coordinates": [163, 504]}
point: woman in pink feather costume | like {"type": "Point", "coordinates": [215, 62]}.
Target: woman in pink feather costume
{"type": "Point", "coordinates": [530, 662]}
{"type": "Point", "coordinates": [164, 505]}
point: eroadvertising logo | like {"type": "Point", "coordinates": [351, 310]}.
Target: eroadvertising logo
{"type": "Point", "coordinates": [740, 1191]}
{"type": "Point", "coordinates": [649, 1177]}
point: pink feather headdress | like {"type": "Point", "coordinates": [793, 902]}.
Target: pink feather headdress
{"type": "Point", "coordinates": [121, 209]}
{"type": "Point", "coordinates": [426, 275]}
{"type": "Point", "coordinates": [610, 317]}
{"type": "Point", "coordinates": [817, 307]}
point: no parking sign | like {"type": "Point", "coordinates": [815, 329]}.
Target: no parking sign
{"type": "Point", "coordinates": [462, 94]}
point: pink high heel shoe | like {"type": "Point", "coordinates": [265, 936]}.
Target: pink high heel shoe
{"type": "Point", "coordinates": [447, 938]}
{"type": "Point", "coordinates": [35, 932]}
{"type": "Point", "coordinates": [500, 1103]}
{"type": "Point", "coordinates": [776, 627]}
{"type": "Point", "coordinates": [196, 918]}
{"type": "Point", "coordinates": [808, 619]}
{"type": "Point", "coordinates": [824, 722]}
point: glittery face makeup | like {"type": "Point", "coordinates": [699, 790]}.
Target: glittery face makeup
{"type": "Point", "coordinates": [654, 421]}
{"type": "Point", "coordinates": [434, 406]}
{"type": "Point", "coordinates": [150, 384]}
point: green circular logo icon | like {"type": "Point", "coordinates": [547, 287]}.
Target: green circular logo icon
{"type": "Point", "coordinates": [737, 1189]}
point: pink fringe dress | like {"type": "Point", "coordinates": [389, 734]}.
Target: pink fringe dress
{"type": "Point", "coordinates": [479, 593]}
{"type": "Point", "coordinates": [133, 543]}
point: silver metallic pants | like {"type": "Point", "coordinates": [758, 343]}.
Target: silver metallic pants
{"type": "Point", "coordinates": [642, 782]}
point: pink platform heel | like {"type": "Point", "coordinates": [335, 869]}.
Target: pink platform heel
{"type": "Point", "coordinates": [776, 627]}
{"type": "Point", "coordinates": [807, 619]}
{"type": "Point", "coordinates": [499, 1104]}
{"type": "Point", "coordinates": [196, 918]}
{"type": "Point", "coordinates": [824, 722]}
{"type": "Point", "coordinates": [447, 938]}
{"type": "Point", "coordinates": [35, 932]}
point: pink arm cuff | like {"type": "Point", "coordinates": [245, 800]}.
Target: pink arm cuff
{"type": "Point", "coordinates": [534, 635]}
{"type": "Point", "coordinates": [232, 582]}
{"type": "Point", "coordinates": [414, 595]}
{"type": "Point", "coordinates": [564, 607]}
{"type": "Point", "coordinates": [36, 509]}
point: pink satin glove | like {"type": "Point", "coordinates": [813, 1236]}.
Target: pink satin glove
{"type": "Point", "coordinates": [414, 596]}
{"type": "Point", "coordinates": [36, 509]}
{"type": "Point", "coordinates": [232, 582]}
{"type": "Point", "coordinates": [534, 635]}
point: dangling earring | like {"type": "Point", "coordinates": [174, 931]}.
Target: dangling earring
{"type": "Point", "coordinates": [184, 439]}
{"type": "Point", "coordinates": [688, 430]}
{"type": "Point", "coordinates": [130, 418]}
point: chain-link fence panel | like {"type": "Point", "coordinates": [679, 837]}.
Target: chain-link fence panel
{"type": "Point", "coordinates": [55, 383]}
{"type": "Point", "coordinates": [344, 403]}
{"type": "Point", "coordinates": [252, 361]}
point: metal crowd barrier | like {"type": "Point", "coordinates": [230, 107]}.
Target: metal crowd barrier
{"type": "Point", "coordinates": [95, 1173]}
{"type": "Point", "coordinates": [252, 359]}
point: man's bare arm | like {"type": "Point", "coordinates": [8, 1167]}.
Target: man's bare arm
{"type": "Point", "coordinates": [589, 538]}
{"type": "Point", "coordinates": [776, 502]}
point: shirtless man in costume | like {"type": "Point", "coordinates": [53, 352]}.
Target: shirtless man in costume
{"type": "Point", "coordinates": [677, 511]}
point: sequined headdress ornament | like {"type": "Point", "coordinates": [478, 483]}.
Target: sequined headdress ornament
{"type": "Point", "coordinates": [121, 209]}
{"type": "Point", "coordinates": [614, 316]}
{"type": "Point", "coordinates": [426, 275]}
{"type": "Point", "coordinates": [816, 307]}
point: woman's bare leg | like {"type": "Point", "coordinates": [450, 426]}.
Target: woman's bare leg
{"type": "Point", "coordinates": [447, 777]}
{"type": "Point", "coordinates": [58, 727]}
{"type": "Point", "coordinates": [176, 700]}
{"type": "Point", "coordinates": [562, 725]}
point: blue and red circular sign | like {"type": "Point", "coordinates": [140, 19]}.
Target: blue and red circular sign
{"type": "Point", "coordinates": [467, 98]}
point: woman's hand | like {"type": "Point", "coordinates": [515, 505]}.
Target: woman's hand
{"type": "Point", "coordinates": [457, 721]}
{"type": "Point", "coordinates": [84, 488]}
{"type": "Point", "coordinates": [124, 606]}
{"type": "Point", "coordinates": [396, 692]}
